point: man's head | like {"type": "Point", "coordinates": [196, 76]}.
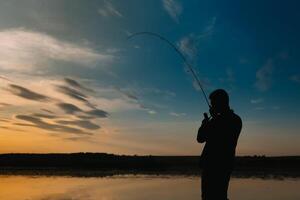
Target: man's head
{"type": "Point", "coordinates": [219, 101]}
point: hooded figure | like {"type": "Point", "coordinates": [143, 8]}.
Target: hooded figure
{"type": "Point", "coordinates": [220, 134]}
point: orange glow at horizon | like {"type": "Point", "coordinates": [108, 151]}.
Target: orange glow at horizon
{"type": "Point", "coordinates": [112, 140]}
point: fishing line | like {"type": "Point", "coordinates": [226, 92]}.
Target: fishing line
{"type": "Point", "coordinates": [185, 61]}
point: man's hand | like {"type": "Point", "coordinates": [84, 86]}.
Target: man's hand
{"type": "Point", "coordinates": [202, 132]}
{"type": "Point", "coordinates": [206, 118]}
{"type": "Point", "coordinates": [212, 112]}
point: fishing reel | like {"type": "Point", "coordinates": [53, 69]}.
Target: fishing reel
{"type": "Point", "coordinates": [206, 116]}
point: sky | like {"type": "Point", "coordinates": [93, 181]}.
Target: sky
{"type": "Point", "coordinates": [71, 81]}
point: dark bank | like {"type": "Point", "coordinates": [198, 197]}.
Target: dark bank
{"type": "Point", "coordinates": [102, 164]}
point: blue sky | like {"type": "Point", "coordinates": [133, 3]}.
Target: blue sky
{"type": "Point", "coordinates": [72, 80]}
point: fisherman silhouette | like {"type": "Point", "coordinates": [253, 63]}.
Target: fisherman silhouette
{"type": "Point", "coordinates": [220, 133]}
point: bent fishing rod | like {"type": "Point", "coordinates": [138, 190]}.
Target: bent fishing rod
{"type": "Point", "coordinates": [185, 61]}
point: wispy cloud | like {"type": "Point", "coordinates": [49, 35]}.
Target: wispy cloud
{"type": "Point", "coordinates": [63, 114]}
{"type": "Point", "coordinates": [39, 123]}
{"type": "Point", "coordinates": [26, 93]}
{"type": "Point", "coordinates": [243, 60]}
{"type": "Point", "coordinates": [4, 104]}
{"type": "Point", "coordinates": [284, 55]}
{"type": "Point", "coordinates": [229, 80]}
{"type": "Point", "coordinates": [4, 78]}
{"type": "Point", "coordinates": [276, 107]}
{"type": "Point", "coordinates": [73, 93]}
{"type": "Point", "coordinates": [47, 111]}
{"type": "Point", "coordinates": [295, 78]}
{"type": "Point", "coordinates": [264, 76]}
{"type": "Point", "coordinates": [42, 115]}
{"type": "Point", "coordinates": [24, 50]}
{"type": "Point", "coordinates": [151, 112]}
{"type": "Point", "coordinates": [177, 114]}
{"type": "Point", "coordinates": [127, 94]}
{"type": "Point", "coordinates": [210, 27]}
{"type": "Point", "coordinates": [189, 44]}
{"type": "Point", "coordinates": [257, 101]}
{"type": "Point", "coordinates": [108, 10]}
{"type": "Point", "coordinates": [62, 104]}
{"type": "Point", "coordinates": [68, 99]}
{"type": "Point", "coordinates": [148, 109]}
{"type": "Point", "coordinates": [80, 123]}
{"type": "Point", "coordinates": [69, 108]}
{"type": "Point", "coordinates": [259, 108]}
{"type": "Point", "coordinates": [205, 82]}
{"type": "Point", "coordinates": [174, 8]}
{"type": "Point", "coordinates": [76, 84]}
{"type": "Point", "coordinates": [97, 113]}
{"type": "Point", "coordinates": [4, 120]}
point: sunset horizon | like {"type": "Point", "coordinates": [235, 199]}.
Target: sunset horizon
{"type": "Point", "coordinates": [71, 81]}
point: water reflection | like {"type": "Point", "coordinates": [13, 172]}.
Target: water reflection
{"type": "Point", "coordinates": [138, 188]}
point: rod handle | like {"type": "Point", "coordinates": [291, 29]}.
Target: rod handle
{"type": "Point", "coordinates": [205, 116]}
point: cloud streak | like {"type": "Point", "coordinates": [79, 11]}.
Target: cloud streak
{"type": "Point", "coordinates": [295, 78]}
{"type": "Point", "coordinates": [69, 108]}
{"type": "Point", "coordinates": [173, 8]}
{"type": "Point", "coordinates": [188, 45]}
{"type": "Point", "coordinates": [75, 84]}
{"type": "Point", "coordinates": [108, 10]}
{"type": "Point", "coordinates": [264, 76]}
{"type": "Point", "coordinates": [257, 101]}
{"type": "Point", "coordinates": [97, 113]}
{"type": "Point", "coordinates": [75, 94]}
{"type": "Point", "coordinates": [47, 116]}
{"type": "Point", "coordinates": [24, 50]}
{"type": "Point", "coordinates": [177, 114]}
{"type": "Point", "coordinates": [39, 123]}
{"type": "Point", "coordinates": [27, 94]}
{"type": "Point", "coordinates": [128, 94]}
{"type": "Point", "coordinates": [80, 123]}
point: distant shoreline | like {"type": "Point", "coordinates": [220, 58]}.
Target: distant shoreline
{"type": "Point", "coordinates": [102, 164]}
{"type": "Point", "coordinates": [107, 173]}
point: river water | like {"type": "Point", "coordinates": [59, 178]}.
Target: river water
{"type": "Point", "coordinates": [139, 188]}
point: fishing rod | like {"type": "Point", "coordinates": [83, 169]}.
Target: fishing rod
{"type": "Point", "coordinates": [185, 61]}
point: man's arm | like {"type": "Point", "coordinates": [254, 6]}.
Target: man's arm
{"type": "Point", "coordinates": [203, 131]}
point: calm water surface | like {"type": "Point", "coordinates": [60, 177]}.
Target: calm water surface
{"type": "Point", "coordinates": [139, 188]}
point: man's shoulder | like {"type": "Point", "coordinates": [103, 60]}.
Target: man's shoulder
{"type": "Point", "coordinates": [236, 118]}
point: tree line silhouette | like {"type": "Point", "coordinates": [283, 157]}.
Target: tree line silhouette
{"type": "Point", "coordinates": [102, 162]}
